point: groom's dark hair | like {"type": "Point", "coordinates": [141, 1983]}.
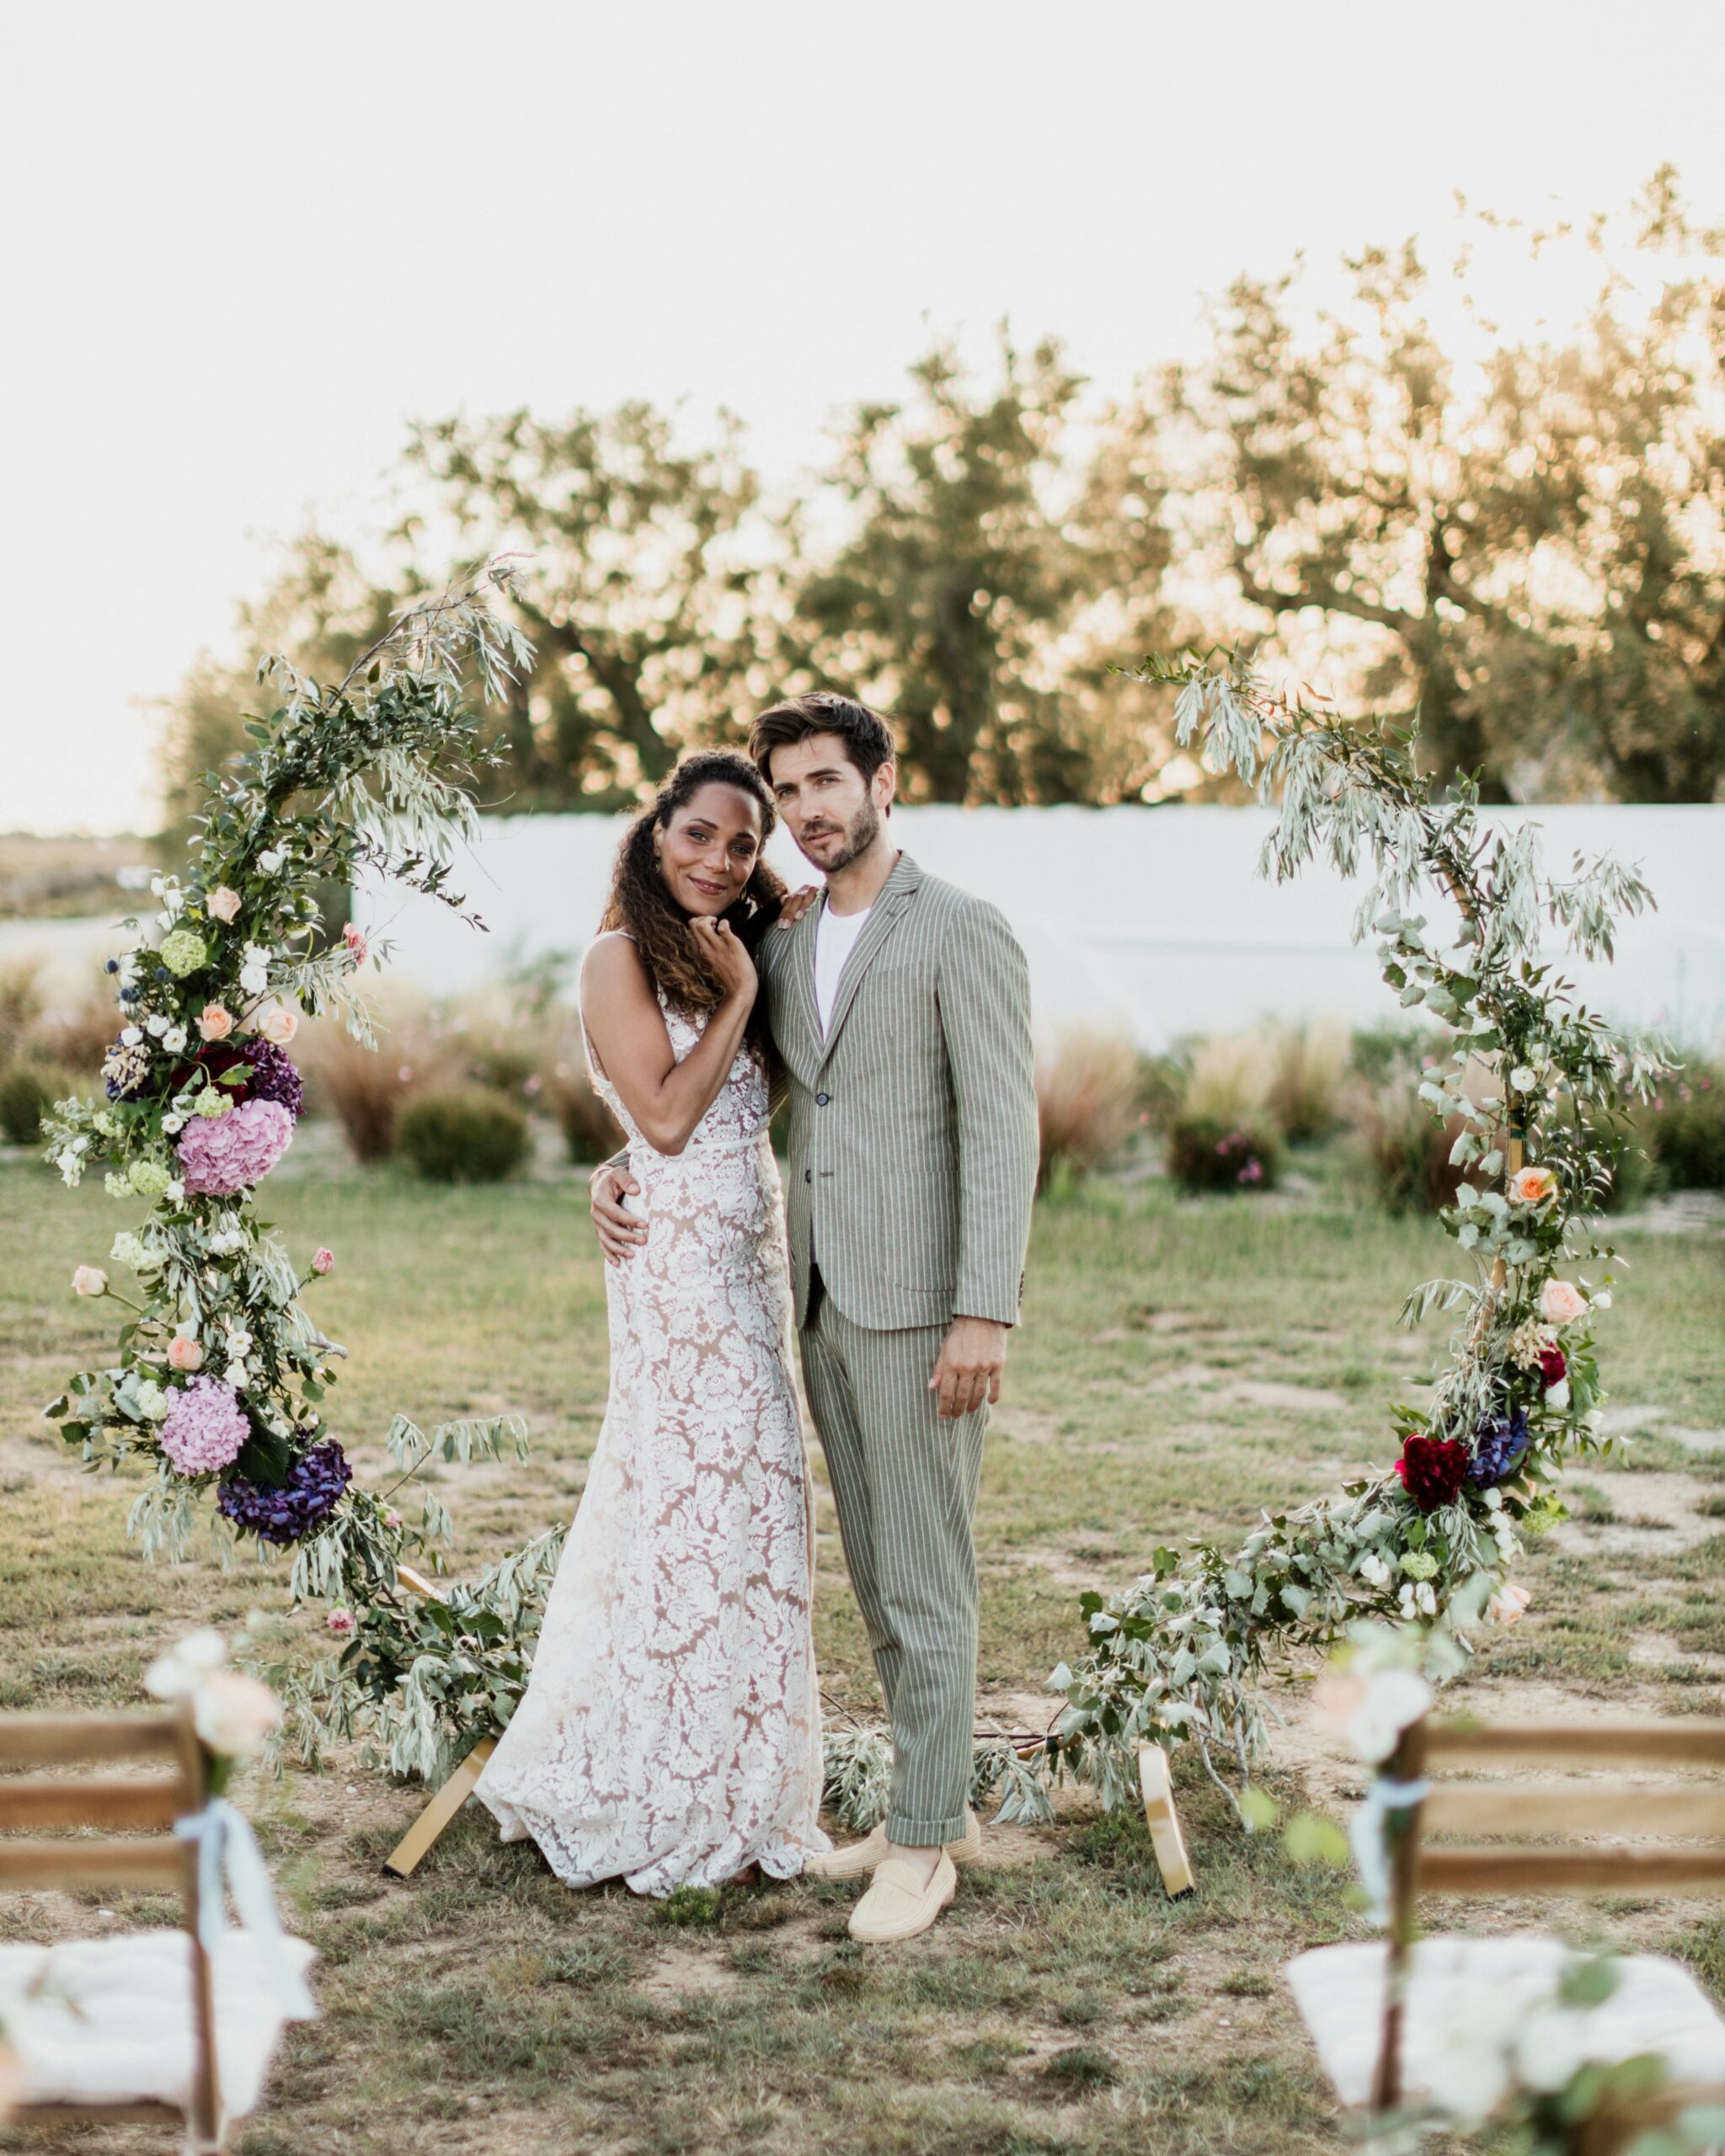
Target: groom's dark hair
{"type": "Point", "coordinates": [868, 738]}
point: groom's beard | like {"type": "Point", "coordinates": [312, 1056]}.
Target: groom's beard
{"type": "Point", "coordinates": [860, 833]}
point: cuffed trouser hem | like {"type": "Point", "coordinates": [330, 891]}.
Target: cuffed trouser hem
{"type": "Point", "coordinates": [923, 1834]}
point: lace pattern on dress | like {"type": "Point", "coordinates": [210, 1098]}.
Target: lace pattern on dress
{"type": "Point", "coordinates": [672, 1730]}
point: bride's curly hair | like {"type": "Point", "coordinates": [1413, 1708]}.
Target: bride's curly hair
{"type": "Point", "coordinates": [641, 903]}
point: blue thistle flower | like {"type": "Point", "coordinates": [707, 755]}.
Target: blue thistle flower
{"type": "Point", "coordinates": [1499, 1444]}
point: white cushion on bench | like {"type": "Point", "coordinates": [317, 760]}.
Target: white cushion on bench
{"type": "Point", "coordinates": [110, 2020]}
{"type": "Point", "coordinates": [1657, 2006]}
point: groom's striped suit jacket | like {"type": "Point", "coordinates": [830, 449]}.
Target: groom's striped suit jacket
{"type": "Point", "coordinates": [913, 1137]}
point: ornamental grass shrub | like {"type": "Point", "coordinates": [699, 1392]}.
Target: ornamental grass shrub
{"type": "Point", "coordinates": [462, 1133]}
{"type": "Point", "coordinates": [1229, 1077]}
{"type": "Point", "coordinates": [1223, 1153]}
{"type": "Point", "coordinates": [1086, 1103]}
{"type": "Point", "coordinates": [20, 1004]}
{"type": "Point", "coordinates": [365, 1089]}
{"type": "Point", "coordinates": [1683, 1126]}
{"type": "Point", "coordinates": [1308, 1066]}
{"type": "Point", "coordinates": [1406, 1152]}
{"type": "Point", "coordinates": [28, 1091]}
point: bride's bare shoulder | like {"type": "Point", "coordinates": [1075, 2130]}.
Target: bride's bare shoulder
{"type": "Point", "coordinates": [612, 965]}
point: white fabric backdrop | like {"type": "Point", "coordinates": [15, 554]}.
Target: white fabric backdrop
{"type": "Point", "coordinates": [1151, 922]}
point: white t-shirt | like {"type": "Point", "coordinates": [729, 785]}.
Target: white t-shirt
{"type": "Point", "coordinates": [835, 937]}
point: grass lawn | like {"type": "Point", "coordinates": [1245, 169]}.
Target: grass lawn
{"type": "Point", "coordinates": [1181, 1364]}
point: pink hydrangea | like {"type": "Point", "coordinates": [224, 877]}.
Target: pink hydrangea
{"type": "Point", "coordinates": [206, 1426]}
{"type": "Point", "coordinates": [233, 1151]}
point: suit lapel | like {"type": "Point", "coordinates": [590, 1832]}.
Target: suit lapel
{"type": "Point", "coordinates": [884, 916]}
{"type": "Point", "coordinates": [799, 988]}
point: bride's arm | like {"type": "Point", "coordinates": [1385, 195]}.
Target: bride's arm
{"type": "Point", "coordinates": [666, 1099]}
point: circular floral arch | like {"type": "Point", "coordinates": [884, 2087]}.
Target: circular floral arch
{"type": "Point", "coordinates": [222, 1377]}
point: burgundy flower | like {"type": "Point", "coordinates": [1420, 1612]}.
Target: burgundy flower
{"type": "Point", "coordinates": [1433, 1470]}
{"type": "Point", "coordinates": [1554, 1364]}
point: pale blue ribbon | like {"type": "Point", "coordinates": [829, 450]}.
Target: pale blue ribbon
{"type": "Point", "coordinates": [230, 1859]}
{"type": "Point", "coordinates": [1369, 1833]}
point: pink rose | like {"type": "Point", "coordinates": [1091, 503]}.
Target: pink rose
{"type": "Point", "coordinates": [1507, 1603]}
{"type": "Point", "coordinates": [280, 1025]}
{"type": "Point", "coordinates": [214, 1023]}
{"type": "Point", "coordinates": [391, 1517]}
{"type": "Point", "coordinates": [1561, 1304]}
{"type": "Point", "coordinates": [323, 1261]}
{"type": "Point", "coordinates": [185, 1353]}
{"type": "Point", "coordinates": [223, 904]}
{"type": "Point", "coordinates": [340, 1622]}
{"type": "Point", "coordinates": [89, 1280]}
{"type": "Point", "coordinates": [354, 939]}
{"type": "Point", "coordinates": [1532, 1185]}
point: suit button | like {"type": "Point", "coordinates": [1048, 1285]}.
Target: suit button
{"type": "Point", "coordinates": [821, 1099]}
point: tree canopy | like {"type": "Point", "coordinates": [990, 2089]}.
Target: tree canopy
{"type": "Point", "coordinates": [1522, 542]}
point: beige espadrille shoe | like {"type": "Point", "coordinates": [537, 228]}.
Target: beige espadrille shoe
{"type": "Point", "coordinates": [861, 1857]}
{"type": "Point", "coordinates": [898, 1904]}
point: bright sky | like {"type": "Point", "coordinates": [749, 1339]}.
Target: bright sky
{"type": "Point", "coordinates": [244, 243]}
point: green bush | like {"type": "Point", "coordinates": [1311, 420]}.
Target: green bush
{"type": "Point", "coordinates": [462, 1135]}
{"type": "Point", "coordinates": [1683, 1126]}
{"type": "Point", "coordinates": [502, 1067]}
{"type": "Point", "coordinates": [28, 1091]}
{"type": "Point", "coordinates": [1214, 1153]}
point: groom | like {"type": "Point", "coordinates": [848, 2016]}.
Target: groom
{"type": "Point", "coordinates": [900, 1008]}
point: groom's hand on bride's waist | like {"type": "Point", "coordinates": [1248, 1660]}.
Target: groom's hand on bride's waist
{"type": "Point", "coordinates": [973, 1357]}
{"type": "Point", "coordinates": [620, 1232]}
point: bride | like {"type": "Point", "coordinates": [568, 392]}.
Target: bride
{"type": "Point", "coordinates": [671, 1733]}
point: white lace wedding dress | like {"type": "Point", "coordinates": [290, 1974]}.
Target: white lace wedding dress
{"type": "Point", "coordinates": [670, 1734]}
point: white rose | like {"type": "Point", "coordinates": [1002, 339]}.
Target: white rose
{"type": "Point", "coordinates": [204, 1650]}
{"type": "Point", "coordinates": [1523, 1080]}
{"type": "Point", "coordinates": [271, 859]}
{"type": "Point", "coordinates": [1557, 1396]}
{"type": "Point", "coordinates": [156, 1023]}
{"type": "Point", "coordinates": [175, 1192]}
{"type": "Point", "coordinates": [177, 1674]}
{"type": "Point", "coordinates": [172, 1125]}
{"type": "Point", "coordinates": [1373, 1568]}
{"type": "Point", "coordinates": [1393, 1699]}
{"type": "Point", "coordinates": [254, 979]}
{"type": "Point", "coordinates": [237, 1374]}
{"type": "Point", "coordinates": [239, 1340]}
{"type": "Point", "coordinates": [234, 1714]}
{"type": "Point", "coordinates": [1466, 2066]}
{"type": "Point", "coordinates": [1551, 2048]}
{"type": "Point", "coordinates": [132, 1035]}
{"type": "Point", "coordinates": [174, 1039]}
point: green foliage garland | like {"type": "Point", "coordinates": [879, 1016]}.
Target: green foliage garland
{"type": "Point", "coordinates": [1541, 1085]}
{"type": "Point", "coordinates": [221, 1376]}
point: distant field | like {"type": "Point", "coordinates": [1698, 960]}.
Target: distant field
{"type": "Point", "coordinates": [58, 878]}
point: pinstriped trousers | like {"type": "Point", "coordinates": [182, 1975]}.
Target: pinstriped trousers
{"type": "Point", "coordinates": [905, 1484]}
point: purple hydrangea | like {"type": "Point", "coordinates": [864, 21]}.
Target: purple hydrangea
{"type": "Point", "coordinates": [1501, 1442]}
{"type": "Point", "coordinates": [304, 1501]}
{"type": "Point", "coordinates": [223, 1154]}
{"type": "Point", "coordinates": [274, 1077]}
{"type": "Point", "coordinates": [205, 1427]}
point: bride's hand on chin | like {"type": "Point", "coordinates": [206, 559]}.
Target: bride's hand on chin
{"type": "Point", "coordinates": [724, 952]}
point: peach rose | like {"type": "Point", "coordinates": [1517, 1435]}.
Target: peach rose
{"type": "Point", "coordinates": [214, 1023]}
{"type": "Point", "coordinates": [185, 1353]}
{"type": "Point", "coordinates": [1532, 1185]}
{"type": "Point", "coordinates": [233, 1714]}
{"type": "Point", "coordinates": [223, 904]}
{"type": "Point", "coordinates": [280, 1025]}
{"type": "Point", "coordinates": [1561, 1304]}
{"type": "Point", "coordinates": [1507, 1604]}
{"type": "Point", "coordinates": [89, 1280]}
